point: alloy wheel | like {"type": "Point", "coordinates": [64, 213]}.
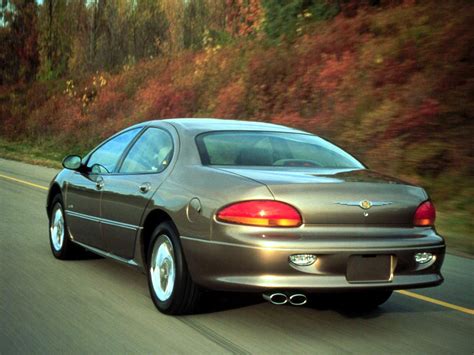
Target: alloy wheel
{"type": "Point", "coordinates": [163, 268]}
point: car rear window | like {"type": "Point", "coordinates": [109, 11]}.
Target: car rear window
{"type": "Point", "coordinates": [247, 148]}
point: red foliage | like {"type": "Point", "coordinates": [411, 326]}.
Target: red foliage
{"type": "Point", "coordinates": [159, 100]}
{"type": "Point", "coordinates": [229, 100]}
{"type": "Point", "coordinates": [334, 70]}
{"type": "Point", "coordinates": [398, 70]}
{"type": "Point", "coordinates": [108, 104]}
{"type": "Point", "coordinates": [416, 122]}
{"type": "Point", "coordinates": [243, 17]}
{"type": "Point", "coordinates": [44, 121]}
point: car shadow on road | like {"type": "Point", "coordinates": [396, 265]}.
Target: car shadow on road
{"type": "Point", "coordinates": [83, 254]}
{"type": "Point", "coordinates": [341, 305]}
{"type": "Point", "coordinates": [213, 301]}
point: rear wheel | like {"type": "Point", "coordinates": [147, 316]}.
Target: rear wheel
{"type": "Point", "coordinates": [59, 238]}
{"type": "Point", "coordinates": [171, 287]}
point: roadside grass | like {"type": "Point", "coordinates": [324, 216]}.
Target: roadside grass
{"type": "Point", "coordinates": [456, 225]}
{"type": "Point", "coordinates": [32, 154]}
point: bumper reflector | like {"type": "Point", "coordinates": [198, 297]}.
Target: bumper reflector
{"type": "Point", "coordinates": [303, 259]}
{"type": "Point", "coordinates": [423, 258]}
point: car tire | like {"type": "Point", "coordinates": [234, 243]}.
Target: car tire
{"type": "Point", "coordinates": [367, 300]}
{"type": "Point", "coordinates": [59, 239]}
{"type": "Point", "coordinates": [171, 287]}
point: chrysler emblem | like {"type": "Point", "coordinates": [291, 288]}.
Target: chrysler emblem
{"type": "Point", "coordinates": [364, 204]}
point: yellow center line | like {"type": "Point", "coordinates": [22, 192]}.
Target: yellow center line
{"type": "Point", "coordinates": [438, 302]}
{"type": "Point", "coordinates": [24, 182]}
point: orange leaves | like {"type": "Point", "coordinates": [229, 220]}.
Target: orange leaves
{"type": "Point", "coordinates": [230, 99]}
{"type": "Point", "coordinates": [109, 105]}
{"type": "Point", "coordinates": [334, 70]}
{"type": "Point", "coordinates": [243, 18]}
{"type": "Point", "coordinates": [416, 122]}
{"type": "Point", "coordinates": [163, 100]}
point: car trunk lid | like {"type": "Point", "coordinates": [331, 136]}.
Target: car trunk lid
{"type": "Point", "coordinates": [335, 196]}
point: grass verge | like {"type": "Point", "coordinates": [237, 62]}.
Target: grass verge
{"type": "Point", "coordinates": [32, 154]}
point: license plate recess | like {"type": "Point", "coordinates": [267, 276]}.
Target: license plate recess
{"type": "Point", "coordinates": [369, 268]}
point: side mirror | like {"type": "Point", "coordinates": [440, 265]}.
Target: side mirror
{"type": "Point", "coordinates": [72, 162]}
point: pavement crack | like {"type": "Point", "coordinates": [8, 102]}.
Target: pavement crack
{"type": "Point", "coordinates": [214, 337]}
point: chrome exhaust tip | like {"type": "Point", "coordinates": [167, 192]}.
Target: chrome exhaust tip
{"type": "Point", "coordinates": [276, 298]}
{"type": "Point", "coordinates": [297, 299]}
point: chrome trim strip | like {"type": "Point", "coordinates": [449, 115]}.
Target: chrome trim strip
{"type": "Point", "coordinates": [83, 216]}
{"type": "Point", "coordinates": [102, 220]}
{"type": "Point", "coordinates": [319, 249]}
{"type": "Point", "coordinates": [118, 224]}
{"type": "Point", "coordinates": [358, 203]}
{"type": "Point", "coordinates": [106, 254]}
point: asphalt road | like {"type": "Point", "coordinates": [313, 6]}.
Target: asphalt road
{"type": "Point", "coordinates": [99, 306]}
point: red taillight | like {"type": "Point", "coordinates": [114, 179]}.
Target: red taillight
{"type": "Point", "coordinates": [260, 213]}
{"type": "Point", "coordinates": [425, 215]}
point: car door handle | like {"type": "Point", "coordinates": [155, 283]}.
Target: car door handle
{"type": "Point", "coordinates": [99, 184]}
{"type": "Point", "coordinates": [145, 187]}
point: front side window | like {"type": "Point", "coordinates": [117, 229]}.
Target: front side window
{"type": "Point", "coordinates": [278, 149]}
{"type": "Point", "coordinates": [109, 153]}
{"type": "Point", "coordinates": [151, 153]}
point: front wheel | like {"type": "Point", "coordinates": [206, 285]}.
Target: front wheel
{"type": "Point", "coordinates": [171, 287]}
{"type": "Point", "coordinates": [59, 239]}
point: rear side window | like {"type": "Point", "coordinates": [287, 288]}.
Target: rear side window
{"type": "Point", "coordinates": [151, 153]}
{"type": "Point", "coordinates": [109, 153]}
{"type": "Point", "coordinates": [246, 148]}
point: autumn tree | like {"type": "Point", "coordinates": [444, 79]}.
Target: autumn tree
{"type": "Point", "coordinates": [174, 12]}
{"type": "Point", "coordinates": [125, 31]}
{"type": "Point", "coordinates": [243, 17]}
{"type": "Point", "coordinates": [19, 36]}
{"type": "Point", "coordinates": [188, 21]}
{"type": "Point", "coordinates": [57, 25]}
{"type": "Point", "coordinates": [80, 51]}
{"type": "Point", "coordinates": [194, 23]}
{"type": "Point", "coordinates": [149, 28]}
{"type": "Point", "coordinates": [8, 62]}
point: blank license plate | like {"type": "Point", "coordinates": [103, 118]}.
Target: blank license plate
{"type": "Point", "coordinates": [369, 268]}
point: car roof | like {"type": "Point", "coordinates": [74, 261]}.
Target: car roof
{"type": "Point", "coordinates": [198, 125]}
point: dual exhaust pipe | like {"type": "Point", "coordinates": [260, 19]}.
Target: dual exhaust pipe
{"type": "Point", "coordinates": [280, 298]}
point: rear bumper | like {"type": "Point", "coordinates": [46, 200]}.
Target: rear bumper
{"type": "Point", "coordinates": [256, 263]}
